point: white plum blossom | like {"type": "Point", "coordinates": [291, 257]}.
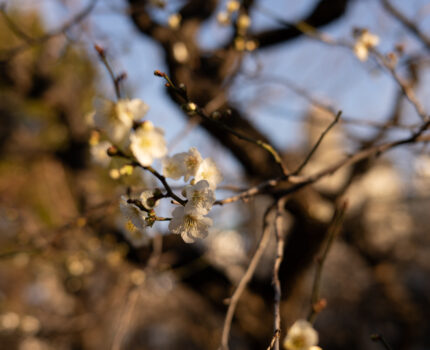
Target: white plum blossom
{"type": "Point", "coordinates": [183, 164]}
{"type": "Point", "coordinates": [99, 154]}
{"type": "Point", "coordinates": [146, 197]}
{"type": "Point", "coordinates": [129, 175]}
{"type": "Point", "coordinates": [365, 41]}
{"type": "Point", "coordinates": [147, 143]}
{"type": "Point", "coordinates": [208, 171]}
{"type": "Point", "coordinates": [200, 198]}
{"type": "Point", "coordinates": [133, 110]}
{"type": "Point", "coordinates": [132, 213]}
{"type": "Point", "coordinates": [192, 161]}
{"type": "Point", "coordinates": [301, 336]}
{"type": "Point", "coordinates": [189, 226]}
{"type": "Point", "coordinates": [116, 119]}
{"type": "Point", "coordinates": [137, 238]}
{"type": "Point", "coordinates": [174, 167]}
{"type": "Point", "coordinates": [133, 223]}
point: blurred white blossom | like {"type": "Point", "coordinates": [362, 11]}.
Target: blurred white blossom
{"type": "Point", "coordinates": [184, 164]}
{"type": "Point", "coordinates": [364, 42]}
{"type": "Point", "coordinates": [301, 336]}
{"type": "Point", "coordinates": [147, 199]}
{"type": "Point", "coordinates": [132, 223]}
{"type": "Point", "coordinates": [147, 143]}
{"type": "Point", "coordinates": [174, 20]}
{"type": "Point", "coordinates": [99, 153]}
{"type": "Point", "coordinates": [223, 18]}
{"type": "Point", "coordinates": [132, 213]}
{"type": "Point", "coordinates": [116, 119]}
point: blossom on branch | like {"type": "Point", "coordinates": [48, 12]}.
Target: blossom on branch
{"type": "Point", "coordinates": [147, 143]}
{"type": "Point", "coordinates": [365, 41]}
{"type": "Point", "coordinates": [301, 336]}
{"type": "Point", "coordinates": [148, 200]}
{"type": "Point", "coordinates": [133, 223]}
{"type": "Point", "coordinates": [200, 198]}
{"type": "Point", "coordinates": [184, 164]}
{"type": "Point", "coordinates": [189, 226]}
{"type": "Point", "coordinates": [98, 151]}
{"type": "Point", "coordinates": [132, 213]}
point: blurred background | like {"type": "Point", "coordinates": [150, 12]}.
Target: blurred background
{"type": "Point", "coordinates": [70, 278]}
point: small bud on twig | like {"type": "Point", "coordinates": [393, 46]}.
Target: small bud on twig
{"type": "Point", "coordinates": [112, 151]}
{"type": "Point", "coordinates": [159, 73]}
{"type": "Point", "coordinates": [100, 50]}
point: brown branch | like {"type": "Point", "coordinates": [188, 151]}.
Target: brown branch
{"type": "Point", "coordinates": [245, 279]}
{"type": "Point", "coordinates": [116, 79]}
{"type": "Point", "coordinates": [163, 180]}
{"type": "Point", "coordinates": [404, 86]}
{"type": "Point", "coordinates": [115, 152]}
{"type": "Point", "coordinates": [303, 181]}
{"type": "Point", "coordinates": [325, 12]}
{"type": "Point", "coordinates": [280, 243]}
{"type": "Point", "coordinates": [315, 147]}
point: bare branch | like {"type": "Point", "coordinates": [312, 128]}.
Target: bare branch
{"type": "Point", "coordinates": [410, 25]}
{"type": "Point", "coordinates": [280, 242]}
{"type": "Point", "coordinates": [315, 147]}
{"type": "Point", "coordinates": [303, 181]}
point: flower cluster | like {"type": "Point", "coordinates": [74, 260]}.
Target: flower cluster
{"type": "Point", "coordinates": [137, 144]}
{"type": "Point", "coordinates": [190, 221]}
{"type": "Point", "coordinates": [301, 336]}
{"type": "Point", "coordinates": [364, 42]}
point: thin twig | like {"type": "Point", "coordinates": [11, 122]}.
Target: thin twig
{"type": "Point", "coordinates": [303, 181]}
{"type": "Point", "coordinates": [323, 134]}
{"type": "Point", "coordinates": [275, 339]}
{"type": "Point", "coordinates": [333, 231]}
{"type": "Point", "coordinates": [116, 79]}
{"type": "Point", "coordinates": [163, 181]}
{"type": "Point", "coordinates": [115, 152]}
{"type": "Point", "coordinates": [381, 339]}
{"type": "Point", "coordinates": [359, 121]}
{"type": "Point", "coordinates": [280, 242]}
{"type": "Point", "coordinates": [406, 22]}
{"type": "Point", "coordinates": [316, 34]}
{"type": "Point", "coordinates": [404, 86]}
{"type": "Point", "coordinates": [245, 279]}
{"type": "Point", "coordinates": [15, 28]}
